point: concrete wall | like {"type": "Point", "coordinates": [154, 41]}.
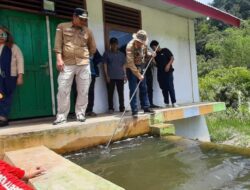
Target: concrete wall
{"type": "Point", "coordinates": [173, 32]}
{"type": "Point", "coordinates": [177, 34]}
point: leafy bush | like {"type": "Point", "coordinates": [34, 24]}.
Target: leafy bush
{"type": "Point", "coordinates": [206, 66]}
{"type": "Point", "coordinates": [225, 84]}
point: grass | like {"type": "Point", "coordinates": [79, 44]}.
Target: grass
{"type": "Point", "coordinates": [230, 127]}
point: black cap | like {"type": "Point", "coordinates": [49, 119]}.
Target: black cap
{"type": "Point", "coordinates": [154, 43]}
{"type": "Point", "coordinates": [82, 13]}
{"type": "Point", "coordinates": [113, 41]}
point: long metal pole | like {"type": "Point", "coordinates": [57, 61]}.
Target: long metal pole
{"type": "Point", "coordinates": [131, 99]}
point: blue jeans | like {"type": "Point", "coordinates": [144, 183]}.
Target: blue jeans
{"type": "Point", "coordinates": [7, 88]}
{"type": "Point", "coordinates": [132, 82]}
{"type": "Point", "coordinates": [166, 83]}
{"type": "Point", "coordinates": [5, 106]}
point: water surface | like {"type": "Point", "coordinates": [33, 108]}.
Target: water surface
{"type": "Point", "coordinates": [147, 163]}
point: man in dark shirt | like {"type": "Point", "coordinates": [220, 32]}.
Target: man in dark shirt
{"type": "Point", "coordinates": [149, 80]}
{"type": "Point", "coordinates": [114, 69]}
{"type": "Point", "coordinates": [164, 63]}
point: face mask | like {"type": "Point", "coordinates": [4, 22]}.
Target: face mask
{"type": "Point", "coordinates": [3, 35]}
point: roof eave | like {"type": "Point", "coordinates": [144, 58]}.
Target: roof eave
{"type": "Point", "coordinates": [206, 10]}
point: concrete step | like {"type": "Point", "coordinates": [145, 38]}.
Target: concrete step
{"type": "Point", "coordinates": [162, 129]}
{"type": "Point", "coordinates": [61, 174]}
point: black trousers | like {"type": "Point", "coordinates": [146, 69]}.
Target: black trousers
{"type": "Point", "coordinates": [149, 81]}
{"type": "Point", "coordinates": [166, 83]}
{"type": "Point", "coordinates": [91, 95]}
{"type": "Point", "coordinates": [119, 83]}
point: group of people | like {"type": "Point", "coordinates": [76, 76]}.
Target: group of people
{"type": "Point", "coordinates": [76, 49]}
{"type": "Point", "coordinates": [77, 60]}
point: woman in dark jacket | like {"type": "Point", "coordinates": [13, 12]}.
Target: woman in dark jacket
{"type": "Point", "coordinates": [11, 72]}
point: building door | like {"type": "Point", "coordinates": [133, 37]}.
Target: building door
{"type": "Point", "coordinates": [33, 99]}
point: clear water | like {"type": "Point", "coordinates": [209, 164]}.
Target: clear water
{"type": "Point", "coordinates": [147, 163]}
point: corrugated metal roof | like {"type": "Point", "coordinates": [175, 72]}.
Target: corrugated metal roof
{"type": "Point", "coordinates": [215, 8]}
{"type": "Point", "coordinates": [190, 9]}
{"type": "Point", "coordinates": [206, 10]}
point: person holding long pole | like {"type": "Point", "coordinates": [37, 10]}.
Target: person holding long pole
{"type": "Point", "coordinates": [137, 53]}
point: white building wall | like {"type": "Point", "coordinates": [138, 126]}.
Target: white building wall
{"type": "Point", "coordinates": [173, 32]}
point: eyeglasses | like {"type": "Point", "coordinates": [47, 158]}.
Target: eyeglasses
{"type": "Point", "coordinates": [3, 35]}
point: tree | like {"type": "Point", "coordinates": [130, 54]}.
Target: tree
{"type": "Point", "coordinates": [239, 8]}
{"type": "Point", "coordinates": [207, 30]}
{"type": "Point", "coordinates": [231, 46]}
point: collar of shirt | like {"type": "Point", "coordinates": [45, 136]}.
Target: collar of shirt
{"type": "Point", "coordinates": [1, 49]}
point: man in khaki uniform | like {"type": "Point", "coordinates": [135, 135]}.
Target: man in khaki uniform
{"type": "Point", "coordinates": [74, 44]}
{"type": "Point", "coordinates": [137, 54]}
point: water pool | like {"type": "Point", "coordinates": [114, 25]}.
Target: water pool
{"type": "Point", "coordinates": [148, 163]}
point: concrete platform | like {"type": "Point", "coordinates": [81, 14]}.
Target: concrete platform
{"type": "Point", "coordinates": [75, 135]}
{"type": "Point", "coordinates": [61, 174]}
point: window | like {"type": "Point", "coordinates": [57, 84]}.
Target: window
{"type": "Point", "coordinates": [121, 15]}
{"type": "Point", "coordinates": [63, 8]}
{"type": "Point", "coordinates": [120, 22]}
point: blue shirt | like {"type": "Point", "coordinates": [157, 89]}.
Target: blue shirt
{"type": "Point", "coordinates": [115, 62]}
{"type": "Point", "coordinates": [94, 61]}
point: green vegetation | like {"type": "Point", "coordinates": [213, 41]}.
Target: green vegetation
{"type": "Point", "coordinates": [231, 126]}
{"type": "Point", "coordinates": [229, 85]}
{"type": "Point", "coordinates": [224, 72]}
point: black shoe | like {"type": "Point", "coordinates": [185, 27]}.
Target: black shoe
{"type": "Point", "coordinates": [154, 106]}
{"type": "Point", "coordinates": [122, 109]}
{"type": "Point", "coordinates": [91, 114]}
{"type": "Point", "coordinates": [4, 123]}
{"type": "Point", "coordinates": [148, 110]}
{"type": "Point", "coordinates": [135, 114]}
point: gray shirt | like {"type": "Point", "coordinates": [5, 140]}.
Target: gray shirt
{"type": "Point", "coordinates": [115, 62]}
